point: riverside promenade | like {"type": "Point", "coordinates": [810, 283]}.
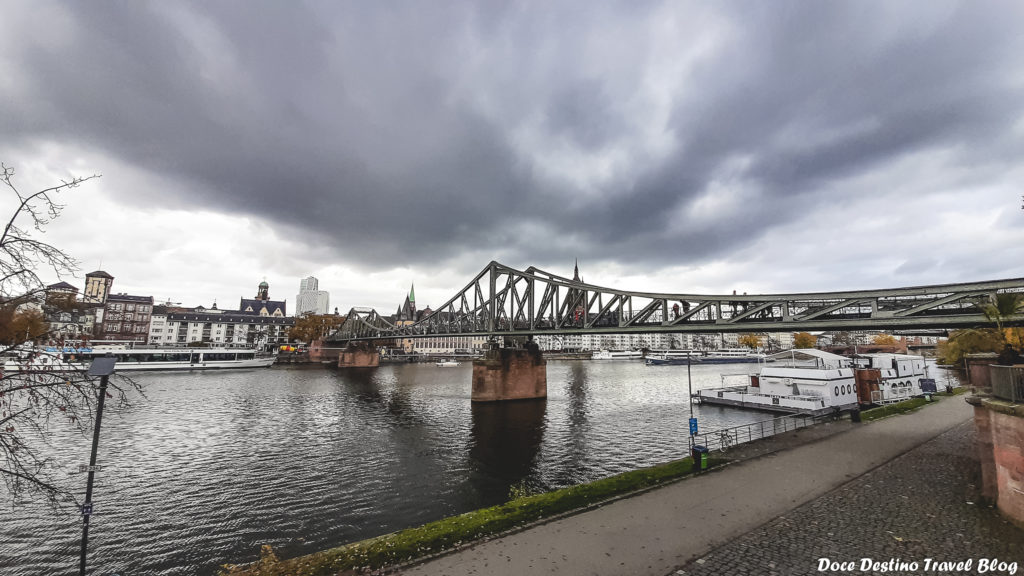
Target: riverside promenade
{"type": "Point", "coordinates": [902, 487]}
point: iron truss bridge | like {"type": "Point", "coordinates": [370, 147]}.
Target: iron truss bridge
{"type": "Point", "coordinates": [502, 301]}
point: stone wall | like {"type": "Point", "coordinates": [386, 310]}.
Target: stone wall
{"type": "Point", "coordinates": [1000, 426]}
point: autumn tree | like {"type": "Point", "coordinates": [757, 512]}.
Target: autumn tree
{"type": "Point", "coordinates": [309, 327]}
{"type": "Point", "coordinates": [33, 396]}
{"type": "Point", "coordinates": [749, 340]}
{"type": "Point", "coordinates": [804, 340]}
{"type": "Point", "coordinates": [971, 341]}
{"type": "Point", "coordinates": [884, 340]}
{"type": "Point", "coordinates": [20, 324]}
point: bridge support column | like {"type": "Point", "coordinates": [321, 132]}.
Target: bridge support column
{"type": "Point", "coordinates": [359, 356]}
{"type": "Point", "coordinates": [510, 374]}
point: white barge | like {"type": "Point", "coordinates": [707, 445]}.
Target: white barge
{"type": "Point", "coordinates": [799, 381]}
{"type": "Point", "coordinates": [816, 382]}
{"type": "Point", "coordinates": [888, 378]}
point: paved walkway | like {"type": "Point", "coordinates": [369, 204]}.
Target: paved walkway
{"type": "Point", "coordinates": [676, 527]}
{"type": "Point", "coordinates": [921, 505]}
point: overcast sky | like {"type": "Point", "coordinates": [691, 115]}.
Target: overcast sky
{"type": "Point", "coordinates": [683, 147]}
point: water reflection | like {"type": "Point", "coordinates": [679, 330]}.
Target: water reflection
{"type": "Point", "coordinates": [210, 466]}
{"type": "Point", "coordinates": [506, 440]}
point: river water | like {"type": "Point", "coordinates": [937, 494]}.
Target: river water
{"type": "Point", "coordinates": [208, 466]}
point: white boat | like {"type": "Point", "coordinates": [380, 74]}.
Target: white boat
{"type": "Point", "coordinates": [68, 359]}
{"type": "Point", "coordinates": [733, 355]}
{"type": "Point", "coordinates": [802, 380]}
{"type": "Point", "coordinates": [673, 357]}
{"type": "Point", "coordinates": [888, 378]}
{"type": "Point", "coordinates": [617, 355]}
{"type": "Point", "coordinates": [448, 363]}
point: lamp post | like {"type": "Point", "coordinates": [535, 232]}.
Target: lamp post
{"type": "Point", "coordinates": [689, 395]}
{"type": "Point", "coordinates": [102, 367]}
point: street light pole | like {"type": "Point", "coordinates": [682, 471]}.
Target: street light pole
{"type": "Point", "coordinates": [102, 367]}
{"type": "Point", "coordinates": [689, 395]}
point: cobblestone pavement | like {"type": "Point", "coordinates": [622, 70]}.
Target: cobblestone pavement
{"type": "Point", "coordinates": [921, 505]}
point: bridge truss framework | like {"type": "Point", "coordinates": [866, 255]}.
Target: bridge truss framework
{"type": "Point", "coordinates": [503, 301]}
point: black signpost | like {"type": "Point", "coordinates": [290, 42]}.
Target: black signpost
{"type": "Point", "coordinates": [102, 367]}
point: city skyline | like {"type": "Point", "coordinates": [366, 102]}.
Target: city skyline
{"type": "Point", "coordinates": [671, 147]}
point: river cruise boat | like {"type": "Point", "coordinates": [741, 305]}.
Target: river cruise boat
{"type": "Point", "coordinates": [617, 355]}
{"type": "Point", "coordinates": [447, 363]}
{"type": "Point", "coordinates": [799, 381]}
{"type": "Point", "coordinates": [128, 358]}
{"type": "Point", "coordinates": [733, 356]}
{"type": "Point", "coordinates": [673, 357]}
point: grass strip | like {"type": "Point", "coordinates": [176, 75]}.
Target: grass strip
{"type": "Point", "coordinates": [890, 409]}
{"type": "Point", "coordinates": [905, 406]}
{"type": "Point", "coordinates": [441, 535]}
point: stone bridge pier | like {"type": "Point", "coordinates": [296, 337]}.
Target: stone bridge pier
{"type": "Point", "coordinates": [510, 374]}
{"type": "Point", "coordinates": [359, 355]}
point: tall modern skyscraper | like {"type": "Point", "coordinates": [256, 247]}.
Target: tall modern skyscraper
{"type": "Point", "coordinates": [309, 300]}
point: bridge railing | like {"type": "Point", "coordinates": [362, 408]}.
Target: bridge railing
{"type": "Point", "coordinates": [1007, 382]}
{"type": "Point", "coordinates": [725, 438]}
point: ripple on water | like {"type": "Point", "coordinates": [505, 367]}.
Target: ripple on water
{"type": "Point", "coordinates": [209, 466]}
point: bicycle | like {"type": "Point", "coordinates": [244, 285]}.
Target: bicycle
{"type": "Point", "coordinates": [725, 440]}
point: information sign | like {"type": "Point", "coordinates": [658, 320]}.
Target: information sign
{"type": "Point", "coordinates": [693, 426]}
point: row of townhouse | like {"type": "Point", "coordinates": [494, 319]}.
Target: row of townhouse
{"type": "Point", "coordinates": [180, 326]}
{"type": "Point", "coordinates": [99, 314]}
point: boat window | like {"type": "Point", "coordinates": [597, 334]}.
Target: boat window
{"type": "Point", "coordinates": [837, 390]}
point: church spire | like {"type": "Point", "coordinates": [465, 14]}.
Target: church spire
{"type": "Point", "coordinates": [412, 293]}
{"type": "Point", "coordinates": [576, 271]}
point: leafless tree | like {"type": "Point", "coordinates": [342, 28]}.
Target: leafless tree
{"type": "Point", "coordinates": [35, 393]}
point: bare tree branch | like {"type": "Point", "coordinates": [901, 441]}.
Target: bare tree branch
{"type": "Point", "coordinates": [34, 396]}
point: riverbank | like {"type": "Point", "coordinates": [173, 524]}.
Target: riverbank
{"type": "Point", "coordinates": [763, 481]}
{"type": "Point", "coordinates": [479, 526]}
{"type": "Point", "coordinates": [451, 533]}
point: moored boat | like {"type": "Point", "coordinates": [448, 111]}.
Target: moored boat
{"type": "Point", "coordinates": [888, 378]}
{"type": "Point", "coordinates": [673, 358]}
{"type": "Point", "coordinates": [447, 363]}
{"type": "Point", "coordinates": [617, 355]}
{"type": "Point", "coordinates": [69, 359]}
{"type": "Point", "coordinates": [802, 380]}
{"type": "Point", "coordinates": [815, 382]}
{"type": "Point", "coordinates": [733, 356]}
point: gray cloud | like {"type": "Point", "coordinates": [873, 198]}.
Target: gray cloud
{"type": "Point", "coordinates": [414, 133]}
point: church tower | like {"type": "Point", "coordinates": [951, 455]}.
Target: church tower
{"type": "Point", "coordinates": [408, 309]}
{"type": "Point", "coordinates": [577, 294]}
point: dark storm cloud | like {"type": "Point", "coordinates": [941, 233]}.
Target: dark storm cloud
{"type": "Point", "coordinates": [394, 133]}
